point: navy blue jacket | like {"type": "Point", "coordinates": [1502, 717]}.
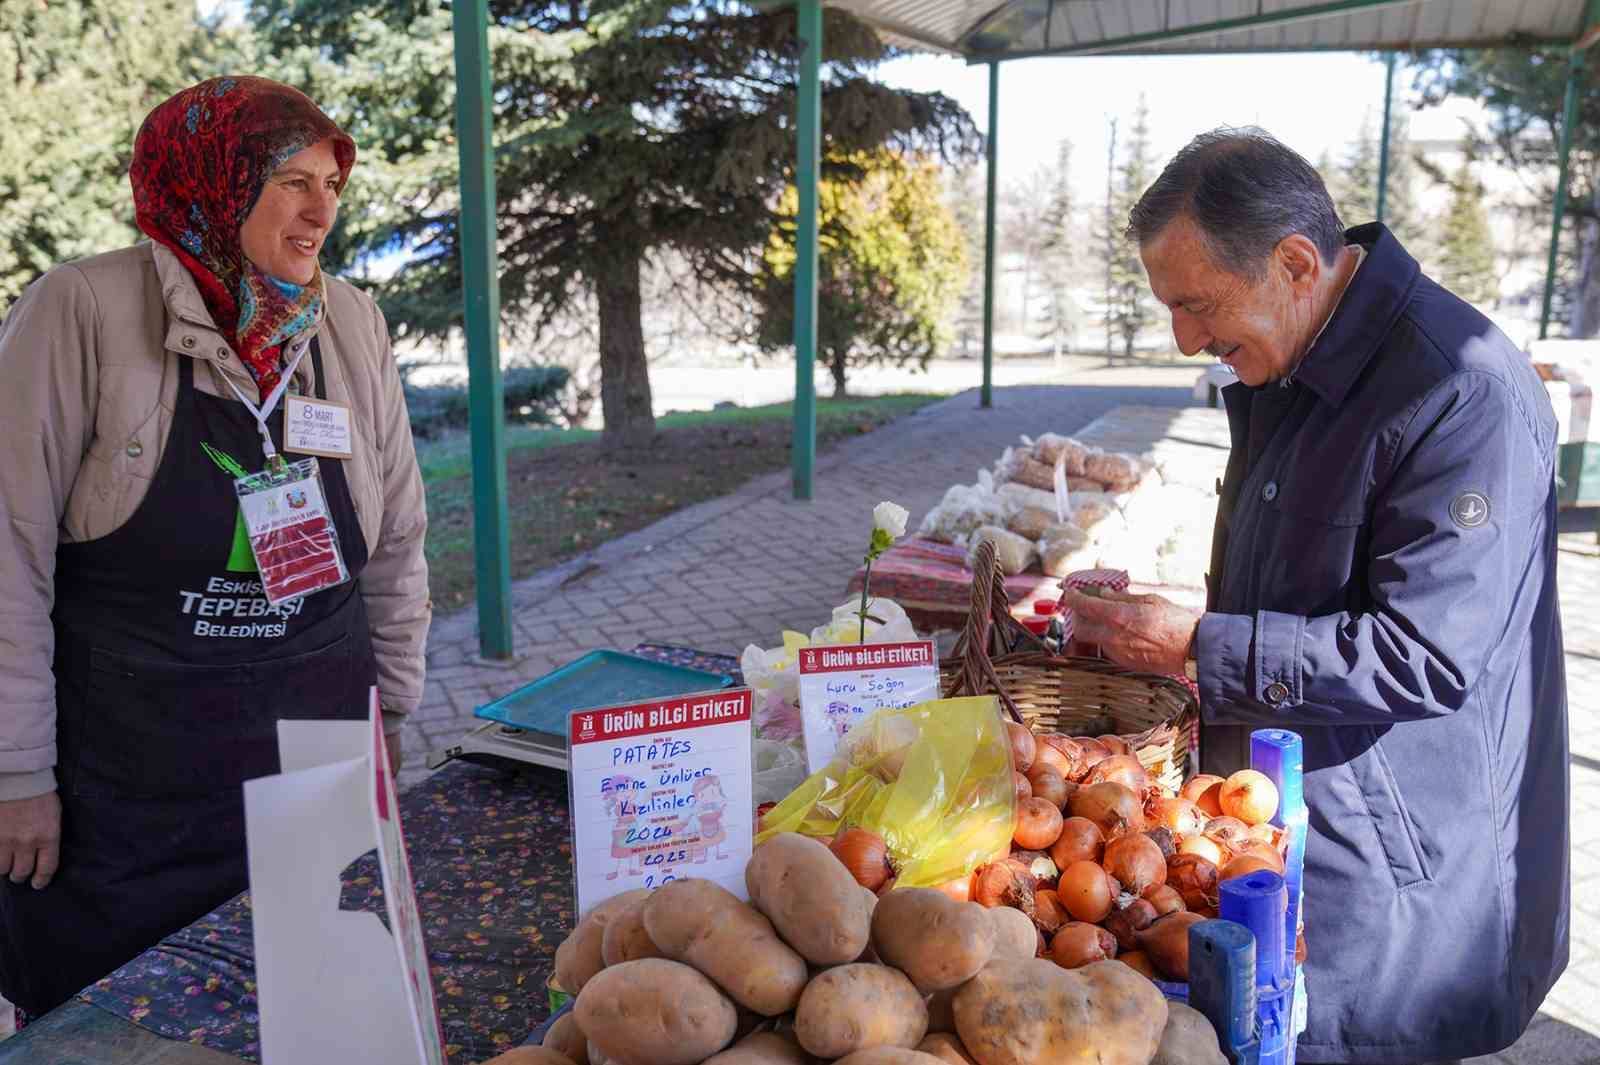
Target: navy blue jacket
{"type": "Point", "coordinates": [1384, 582]}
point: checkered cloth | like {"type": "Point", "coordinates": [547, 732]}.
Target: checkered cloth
{"type": "Point", "coordinates": [1115, 580]}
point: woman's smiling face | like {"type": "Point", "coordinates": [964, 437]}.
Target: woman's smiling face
{"type": "Point", "coordinates": [285, 229]}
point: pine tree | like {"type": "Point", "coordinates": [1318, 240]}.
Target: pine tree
{"type": "Point", "coordinates": [623, 128]}
{"type": "Point", "coordinates": [1057, 250]}
{"type": "Point", "coordinates": [1131, 311]}
{"type": "Point", "coordinates": [890, 267]}
{"type": "Point", "coordinates": [1466, 248]}
{"type": "Point", "coordinates": [964, 199]}
{"type": "Point", "coordinates": [80, 77]}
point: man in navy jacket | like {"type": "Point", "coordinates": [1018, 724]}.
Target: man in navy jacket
{"type": "Point", "coordinates": [1383, 581]}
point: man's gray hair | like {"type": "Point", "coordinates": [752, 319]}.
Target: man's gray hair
{"type": "Point", "coordinates": [1245, 191]}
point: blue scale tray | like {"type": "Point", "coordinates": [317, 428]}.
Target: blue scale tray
{"type": "Point", "coordinates": [599, 678]}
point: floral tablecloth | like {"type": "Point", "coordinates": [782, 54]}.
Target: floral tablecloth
{"type": "Point", "coordinates": [491, 856]}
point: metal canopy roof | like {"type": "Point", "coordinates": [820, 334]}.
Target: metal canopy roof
{"type": "Point", "coordinates": [983, 31]}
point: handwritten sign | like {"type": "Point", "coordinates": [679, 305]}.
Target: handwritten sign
{"type": "Point", "coordinates": [661, 790]}
{"type": "Point", "coordinates": [841, 686]}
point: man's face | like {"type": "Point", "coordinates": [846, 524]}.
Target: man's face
{"type": "Point", "coordinates": [1257, 328]}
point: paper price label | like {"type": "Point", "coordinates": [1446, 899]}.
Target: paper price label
{"type": "Point", "coordinates": [841, 686]}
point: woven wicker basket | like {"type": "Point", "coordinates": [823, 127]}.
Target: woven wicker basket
{"type": "Point", "coordinates": [1155, 715]}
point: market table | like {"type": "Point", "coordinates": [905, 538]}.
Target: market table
{"type": "Point", "coordinates": [491, 857]}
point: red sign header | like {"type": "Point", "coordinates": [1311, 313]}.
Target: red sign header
{"type": "Point", "coordinates": [854, 657]}
{"type": "Point", "coordinates": [607, 723]}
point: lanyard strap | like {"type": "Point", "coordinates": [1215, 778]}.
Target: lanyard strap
{"type": "Point", "coordinates": [270, 404]}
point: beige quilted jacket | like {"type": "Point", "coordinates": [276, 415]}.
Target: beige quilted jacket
{"type": "Point", "coordinates": [88, 378]}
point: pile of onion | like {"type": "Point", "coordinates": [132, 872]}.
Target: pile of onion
{"type": "Point", "coordinates": [1108, 863]}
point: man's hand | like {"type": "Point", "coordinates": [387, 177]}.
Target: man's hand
{"type": "Point", "coordinates": [1143, 632]}
{"type": "Point", "coordinates": [30, 838]}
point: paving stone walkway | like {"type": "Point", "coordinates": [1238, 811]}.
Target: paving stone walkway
{"type": "Point", "coordinates": [740, 569]}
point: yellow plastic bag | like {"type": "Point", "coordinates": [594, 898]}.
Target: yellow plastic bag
{"type": "Point", "coordinates": [934, 780]}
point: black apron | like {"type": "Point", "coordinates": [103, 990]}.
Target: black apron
{"type": "Point", "coordinates": [172, 671]}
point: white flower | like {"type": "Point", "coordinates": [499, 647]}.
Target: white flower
{"type": "Point", "coordinates": [891, 518]}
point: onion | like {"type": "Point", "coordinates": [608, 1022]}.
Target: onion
{"type": "Point", "coordinates": [1167, 943]}
{"type": "Point", "coordinates": [1123, 923]}
{"type": "Point", "coordinates": [1085, 891]}
{"type": "Point", "coordinates": [1112, 806]}
{"type": "Point", "coordinates": [1245, 864]}
{"type": "Point", "coordinates": [1024, 790]}
{"type": "Point", "coordinates": [1196, 786]}
{"type": "Point", "coordinates": [1196, 880]}
{"type": "Point", "coordinates": [1061, 753]}
{"type": "Point", "coordinates": [1094, 752]}
{"type": "Point", "coordinates": [1136, 862]}
{"type": "Point", "coordinates": [1210, 800]}
{"type": "Point", "coordinates": [1080, 841]}
{"type": "Point", "coordinates": [1231, 832]}
{"type": "Point", "coordinates": [1159, 790]}
{"type": "Point", "coordinates": [1078, 944]}
{"type": "Point", "coordinates": [1205, 847]}
{"type": "Point", "coordinates": [959, 889]}
{"type": "Point", "coordinates": [1265, 852]}
{"type": "Point", "coordinates": [1115, 744]}
{"type": "Point", "coordinates": [1265, 833]}
{"type": "Point", "coordinates": [1038, 824]}
{"type": "Point", "coordinates": [1037, 864]}
{"type": "Point", "coordinates": [1180, 815]}
{"type": "Point", "coordinates": [865, 855]}
{"type": "Point", "coordinates": [1250, 796]}
{"type": "Point", "coordinates": [1164, 839]}
{"type": "Point", "coordinates": [1048, 912]}
{"type": "Point", "coordinates": [963, 885]}
{"type": "Point", "coordinates": [1004, 883]}
{"type": "Point", "coordinates": [1049, 785]}
{"type": "Point", "coordinates": [1124, 769]}
{"type": "Point", "coordinates": [1165, 898]}
{"type": "Point", "coordinates": [1023, 746]}
{"type": "Point", "coordinates": [1139, 962]}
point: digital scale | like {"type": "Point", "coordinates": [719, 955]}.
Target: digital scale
{"type": "Point", "coordinates": [529, 726]}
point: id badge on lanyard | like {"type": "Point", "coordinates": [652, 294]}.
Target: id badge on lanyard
{"type": "Point", "coordinates": [285, 512]}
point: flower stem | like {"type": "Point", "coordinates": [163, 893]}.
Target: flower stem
{"type": "Point", "coordinates": [866, 580]}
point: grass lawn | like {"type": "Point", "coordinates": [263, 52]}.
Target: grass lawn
{"type": "Point", "coordinates": [566, 496]}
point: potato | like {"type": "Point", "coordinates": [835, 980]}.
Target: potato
{"type": "Point", "coordinates": [565, 1037]}
{"type": "Point", "coordinates": [853, 1007]}
{"type": "Point", "coordinates": [655, 1012]}
{"type": "Point", "coordinates": [947, 1048]}
{"type": "Point", "coordinates": [942, 1010]}
{"type": "Point", "coordinates": [1188, 1039]}
{"type": "Point", "coordinates": [763, 1048]}
{"type": "Point", "coordinates": [706, 926]}
{"type": "Point", "coordinates": [625, 938]}
{"type": "Point", "coordinates": [579, 956]}
{"type": "Point", "coordinates": [1014, 934]}
{"type": "Point", "coordinates": [810, 897]}
{"type": "Point", "coordinates": [529, 1056]}
{"type": "Point", "coordinates": [890, 1056]}
{"type": "Point", "coordinates": [933, 939]}
{"type": "Point", "coordinates": [1019, 1013]}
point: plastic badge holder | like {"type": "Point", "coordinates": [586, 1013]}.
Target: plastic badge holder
{"type": "Point", "coordinates": [599, 678]}
{"type": "Point", "coordinates": [291, 532]}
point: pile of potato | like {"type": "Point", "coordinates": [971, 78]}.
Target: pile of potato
{"type": "Point", "coordinates": [818, 968]}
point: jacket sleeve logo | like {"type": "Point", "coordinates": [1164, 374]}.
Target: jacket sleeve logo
{"type": "Point", "coordinates": [1470, 509]}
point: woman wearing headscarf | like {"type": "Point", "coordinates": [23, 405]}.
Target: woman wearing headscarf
{"type": "Point", "coordinates": [152, 634]}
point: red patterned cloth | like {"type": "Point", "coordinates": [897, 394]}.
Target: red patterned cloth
{"type": "Point", "coordinates": [200, 162]}
{"type": "Point", "coordinates": [1115, 580]}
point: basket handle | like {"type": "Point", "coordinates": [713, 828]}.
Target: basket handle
{"type": "Point", "coordinates": [990, 631]}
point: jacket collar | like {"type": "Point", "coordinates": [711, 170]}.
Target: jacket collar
{"type": "Point", "coordinates": [182, 296]}
{"type": "Point", "coordinates": [1372, 303]}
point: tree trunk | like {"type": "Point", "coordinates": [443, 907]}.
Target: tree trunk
{"type": "Point", "coordinates": [624, 375]}
{"type": "Point", "coordinates": [836, 367]}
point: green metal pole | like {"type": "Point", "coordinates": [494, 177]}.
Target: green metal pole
{"type": "Point", "coordinates": [1383, 138]}
{"type": "Point", "coordinates": [808, 172]}
{"type": "Point", "coordinates": [990, 144]}
{"type": "Point", "coordinates": [481, 297]}
{"type": "Point", "coordinates": [1569, 116]}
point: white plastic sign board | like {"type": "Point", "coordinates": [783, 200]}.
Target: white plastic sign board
{"type": "Point", "coordinates": [335, 985]}
{"type": "Point", "coordinates": [660, 790]}
{"type": "Point", "coordinates": [842, 685]}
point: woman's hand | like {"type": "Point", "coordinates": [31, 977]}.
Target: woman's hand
{"type": "Point", "coordinates": [30, 839]}
{"type": "Point", "coordinates": [1139, 631]}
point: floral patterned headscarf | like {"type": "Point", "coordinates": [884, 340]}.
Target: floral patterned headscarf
{"type": "Point", "coordinates": [200, 162]}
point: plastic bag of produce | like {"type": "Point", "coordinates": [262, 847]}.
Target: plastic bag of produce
{"type": "Point", "coordinates": [1012, 553]}
{"type": "Point", "coordinates": [779, 768]}
{"type": "Point", "coordinates": [934, 780]}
